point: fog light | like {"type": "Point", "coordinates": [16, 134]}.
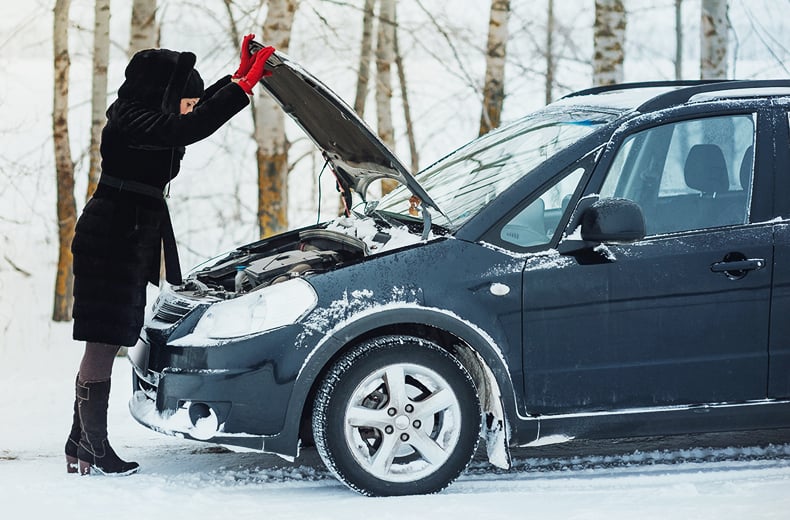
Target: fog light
{"type": "Point", "coordinates": [204, 421]}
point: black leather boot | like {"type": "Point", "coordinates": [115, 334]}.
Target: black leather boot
{"type": "Point", "coordinates": [94, 450]}
{"type": "Point", "coordinates": [73, 441]}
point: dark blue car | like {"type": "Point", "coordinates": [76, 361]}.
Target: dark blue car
{"type": "Point", "coordinates": [616, 264]}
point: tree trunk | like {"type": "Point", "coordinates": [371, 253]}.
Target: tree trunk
{"type": "Point", "coordinates": [101, 57]}
{"type": "Point", "coordinates": [385, 55]}
{"type": "Point", "coordinates": [64, 167]}
{"type": "Point", "coordinates": [678, 39]}
{"type": "Point", "coordinates": [272, 152]}
{"type": "Point", "coordinates": [144, 33]}
{"type": "Point", "coordinates": [496, 50]}
{"type": "Point", "coordinates": [550, 53]}
{"type": "Point", "coordinates": [404, 93]}
{"type": "Point", "coordinates": [713, 35]}
{"type": "Point", "coordinates": [364, 58]}
{"type": "Point", "coordinates": [609, 42]}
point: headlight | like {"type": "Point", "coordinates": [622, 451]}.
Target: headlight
{"type": "Point", "coordinates": [268, 308]}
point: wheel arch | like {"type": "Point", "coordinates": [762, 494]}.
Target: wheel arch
{"type": "Point", "coordinates": [478, 353]}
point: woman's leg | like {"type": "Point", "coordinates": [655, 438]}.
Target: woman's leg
{"type": "Point", "coordinates": [97, 362]}
{"type": "Point", "coordinates": [96, 365]}
{"type": "Point", "coordinates": [93, 393]}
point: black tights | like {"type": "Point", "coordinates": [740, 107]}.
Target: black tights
{"type": "Point", "coordinates": [97, 362]}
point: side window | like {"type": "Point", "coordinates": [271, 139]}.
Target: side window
{"type": "Point", "coordinates": [536, 224]}
{"type": "Point", "coordinates": [687, 175]}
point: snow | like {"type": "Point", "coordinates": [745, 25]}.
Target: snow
{"type": "Point", "coordinates": [365, 229]}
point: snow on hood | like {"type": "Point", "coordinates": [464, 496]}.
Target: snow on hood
{"type": "Point", "coordinates": [366, 230]}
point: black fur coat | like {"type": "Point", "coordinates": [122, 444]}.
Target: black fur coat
{"type": "Point", "coordinates": [118, 237]}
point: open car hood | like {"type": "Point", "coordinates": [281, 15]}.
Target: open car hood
{"type": "Point", "coordinates": [357, 156]}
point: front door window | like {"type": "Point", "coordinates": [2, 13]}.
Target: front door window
{"type": "Point", "coordinates": [687, 175]}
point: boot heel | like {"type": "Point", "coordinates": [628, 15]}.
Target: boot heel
{"type": "Point", "coordinates": [72, 465]}
{"type": "Point", "coordinates": [85, 467]}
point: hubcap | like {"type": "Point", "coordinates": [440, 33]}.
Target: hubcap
{"type": "Point", "coordinates": [402, 422]}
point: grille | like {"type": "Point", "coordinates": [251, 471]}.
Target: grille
{"type": "Point", "coordinates": [172, 310]}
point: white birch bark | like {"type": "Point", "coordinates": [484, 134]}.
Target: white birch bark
{"type": "Point", "coordinates": [713, 39]}
{"type": "Point", "coordinates": [609, 42]}
{"type": "Point", "coordinates": [496, 51]}
{"type": "Point", "coordinates": [550, 67]}
{"type": "Point", "coordinates": [678, 39]}
{"type": "Point", "coordinates": [101, 58]}
{"type": "Point", "coordinates": [144, 33]}
{"type": "Point", "coordinates": [272, 153]}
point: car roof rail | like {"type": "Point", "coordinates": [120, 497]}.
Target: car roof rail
{"type": "Point", "coordinates": [600, 89]}
{"type": "Point", "coordinates": [683, 95]}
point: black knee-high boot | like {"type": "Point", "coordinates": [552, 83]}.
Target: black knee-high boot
{"type": "Point", "coordinates": [73, 441]}
{"type": "Point", "coordinates": [94, 449]}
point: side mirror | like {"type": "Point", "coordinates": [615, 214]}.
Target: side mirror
{"type": "Point", "coordinates": [607, 220]}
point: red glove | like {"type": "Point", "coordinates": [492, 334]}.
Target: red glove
{"type": "Point", "coordinates": [246, 57]}
{"type": "Point", "coordinates": [256, 71]}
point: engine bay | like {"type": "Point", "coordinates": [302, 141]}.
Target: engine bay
{"type": "Point", "coordinates": [297, 254]}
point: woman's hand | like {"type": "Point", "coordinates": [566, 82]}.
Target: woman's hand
{"type": "Point", "coordinates": [246, 58]}
{"type": "Point", "coordinates": [256, 70]}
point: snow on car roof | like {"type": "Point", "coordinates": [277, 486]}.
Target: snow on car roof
{"type": "Point", "coordinates": [625, 99]}
{"type": "Point", "coordinates": [741, 93]}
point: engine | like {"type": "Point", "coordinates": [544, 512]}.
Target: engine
{"type": "Point", "coordinates": [245, 270]}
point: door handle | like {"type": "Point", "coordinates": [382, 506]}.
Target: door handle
{"type": "Point", "coordinates": [738, 266]}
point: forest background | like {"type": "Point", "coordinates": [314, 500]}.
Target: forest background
{"type": "Point", "coordinates": [433, 79]}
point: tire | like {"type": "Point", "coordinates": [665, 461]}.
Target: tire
{"type": "Point", "coordinates": [413, 436]}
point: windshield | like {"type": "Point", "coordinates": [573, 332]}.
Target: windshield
{"type": "Point", "coordinates": [465, 181]}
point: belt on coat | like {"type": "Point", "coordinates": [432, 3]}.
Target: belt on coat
{"type": "Point", "coordinates": [172, 265]}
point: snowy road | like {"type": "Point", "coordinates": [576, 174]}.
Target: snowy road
{"type": "Point", "coordinates": [187, 480]}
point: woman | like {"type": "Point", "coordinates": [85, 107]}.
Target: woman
{"type": "Point", "coordinates": [161, 108]}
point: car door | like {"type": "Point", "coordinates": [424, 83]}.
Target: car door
{"type": "Point", "coordinates": [679, 318]}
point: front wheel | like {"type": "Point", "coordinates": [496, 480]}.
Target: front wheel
{"type": "Point", "coordinates": [397, 415]}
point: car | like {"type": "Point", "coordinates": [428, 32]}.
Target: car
{"type": "Point", "coordinates": [615, 264]}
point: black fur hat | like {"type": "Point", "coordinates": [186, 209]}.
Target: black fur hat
{"type": "Point", "coordinates": [159, 78]}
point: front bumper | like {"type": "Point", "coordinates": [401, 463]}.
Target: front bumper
{"type": "Point", "coordinates": [236, 394]}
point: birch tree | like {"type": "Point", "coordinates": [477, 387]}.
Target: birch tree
{"type": "Point", "coordinates": [101, 58]}
{"type": "Point", "coordinates": [385, 54]}
{"type": "Point", "coordinates": [404, 94]}
{"type": "Point", "coordinates": [64, 166]}
{"type": "Point", "coordinates": [713, 39]}
{"type": "Point", "coordinates": [678, 39]}
{"type": "Point", "coordinates": [549, 84]}
{"type": "Point", "coordinates": [609, 42]}
{"type": "Point", "coordinates": [496, 49]}
{"type": "Point", "coordinates": [365, 49]}
{"type": "Point", "coordinates": [272, 152]}
{"type": "Point", "coordinates": [144, 33]}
